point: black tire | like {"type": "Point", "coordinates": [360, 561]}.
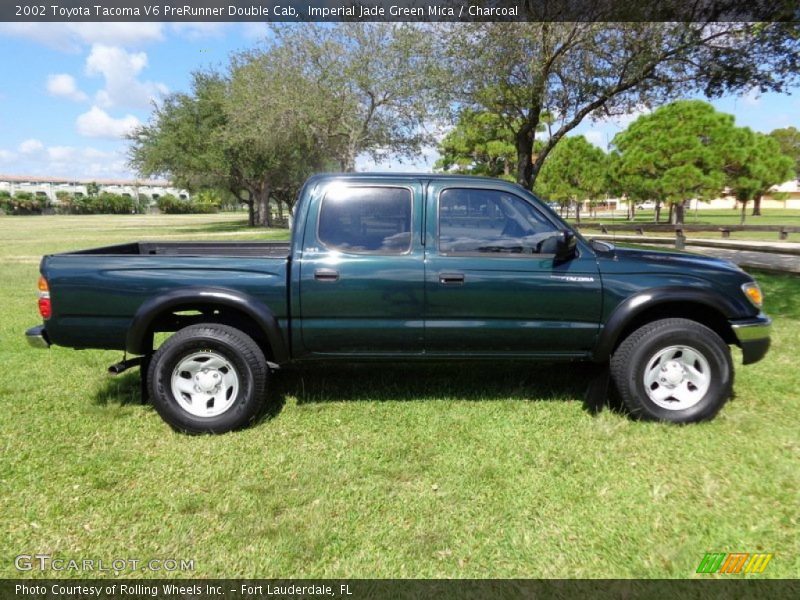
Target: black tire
{"type": "Point", "coordinates": [632, 360]}
{"type": "Point", "coordinates": [238, 350]}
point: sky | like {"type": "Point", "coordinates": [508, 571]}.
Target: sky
{"type": "Point", "coordinates": [69, 92]}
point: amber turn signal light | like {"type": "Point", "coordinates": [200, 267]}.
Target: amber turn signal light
{"type": "Point", "coordinates": [753, 293]}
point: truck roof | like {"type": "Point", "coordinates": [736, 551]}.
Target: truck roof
{"type": "Point", "coordinates": [419, 176]}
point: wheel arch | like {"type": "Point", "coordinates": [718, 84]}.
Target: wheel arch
{"type": "Point", "coordinates": [699, 305]}
{"type": "Point", "coordinates": [218, 305]}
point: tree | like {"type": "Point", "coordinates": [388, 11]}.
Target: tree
{"type": "Point", "coordinates": [574, 171]}
{"type": "Point", "coordinates": [313, 97]}
{"type": "Point", "coordinates": [369, 81]}
{"type": "Point", "coordinates": [185, 140]}
{"type": "Point", "coordinates": [680, 151]}
{"type": "Point", "coordinates": [479, 144]}
{"type": "Point", "coordinates": [274, 118]}
{"type": "Point", "coordinates": [761, 165]}
{"type": "Point", "coordinates": [788, 139]}
{"type": "Point", "coordinates": [521, 72]}
{"type": "Point", "coordinates": [209, 138]}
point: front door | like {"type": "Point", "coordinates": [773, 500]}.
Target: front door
{"type": "Point", "coordinates": [492, 283]}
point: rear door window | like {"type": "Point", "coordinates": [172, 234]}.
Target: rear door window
{"type": "Point", "coordinates": [369, 220]}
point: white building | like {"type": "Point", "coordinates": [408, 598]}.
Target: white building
{"type": "Point", "coordinates": [50, 186]}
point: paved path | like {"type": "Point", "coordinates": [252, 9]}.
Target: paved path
{"type": "Point", "coordinates": [770, 261]}
{"type": "Point", "coordinates": [751, 245]}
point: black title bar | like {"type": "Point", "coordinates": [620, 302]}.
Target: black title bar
{"type": "Point", "coordinates": [397, 589]}
{"type": "Point", "coordinates": [399, 10]}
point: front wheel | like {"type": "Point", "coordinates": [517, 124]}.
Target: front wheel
{"type": "Point", "coordinates": [208, 379]}
{"type": "Point", "coordinates": [673, 370]}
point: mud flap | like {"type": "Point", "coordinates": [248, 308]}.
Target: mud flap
{"type": "Point", "coordinates": [596, 395]}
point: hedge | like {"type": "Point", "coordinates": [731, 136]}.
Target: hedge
{"type": "Point", "coordinates": [171, 205]}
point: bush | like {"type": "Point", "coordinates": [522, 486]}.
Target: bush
{"type": "Point", "coordinates": [102, 204]}
{"type": "Point", "coordinates": [22, 203]}
{"type": "Point", "coordinates": [66, 203]}
{"type": "Point", "coordinates": [113, 204]}
{"type": "Point", "coordinates": [171, 205]}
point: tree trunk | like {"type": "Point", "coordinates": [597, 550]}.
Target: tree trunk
{"type": "Point", "coordinates": [757, 206]}
{"type": "Point", "coordinates": [744, 208]}
{"type": "Point", "coordinates": [347, 160]}
{"type": "Point", "coordinates": [671, 215]}
{"type": "Point", "coordinates": [251, 209]}
{"type": "Point", "coordinates": [262, 200]}
{"type": "Point", "coordinates": [524, 147]}
{"type": "Point", "coordinates": [577, 212]}
{"type": "Point", "coordinates": [679, 212]}
{"type": "Point", "coordinates": [251, 214]}
{"type": "Point", "coordinates": [658, 211]}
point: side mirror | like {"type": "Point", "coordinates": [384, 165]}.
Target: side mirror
{"type": "Point", "coordinates": [565, 247]}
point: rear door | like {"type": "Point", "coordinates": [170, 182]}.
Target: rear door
{"type": "Point", "coordinates": [492, 282]}
{"type": "Point", "coordinates": [361, 272]}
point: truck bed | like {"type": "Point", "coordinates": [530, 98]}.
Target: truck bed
{"type": "Point", "coordinates": [96, 292]}
{"type": "Point", "coordinates": [249, 249]}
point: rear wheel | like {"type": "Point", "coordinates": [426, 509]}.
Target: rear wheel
{"type": "Point", "coordinates": [673, 370]}
{"type": "Point", "coordinates": [208, 379]}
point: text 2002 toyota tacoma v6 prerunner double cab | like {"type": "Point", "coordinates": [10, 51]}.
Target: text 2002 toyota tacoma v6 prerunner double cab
{"type": "Point", "coordinates": [391, 267]}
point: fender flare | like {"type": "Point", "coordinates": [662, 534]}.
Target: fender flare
{"type": "Point", "coordinates": [632, 306]}
{"type": "Point", "coordinates": [152, 308]}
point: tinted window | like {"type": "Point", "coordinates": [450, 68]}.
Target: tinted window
{"type": "Point", "coordinates": [367, 219]}
{"type": "Point", "coordinates": [489, 221]}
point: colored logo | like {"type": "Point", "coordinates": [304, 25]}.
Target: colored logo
{"type": "Point", "coordinates": [734, 562]}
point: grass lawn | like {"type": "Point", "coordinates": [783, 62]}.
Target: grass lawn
{"type": "Point", "coordinates": [401, 471]}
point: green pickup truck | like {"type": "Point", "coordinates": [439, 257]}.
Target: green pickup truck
{"type": "Point", "coordinates": [405, 267]}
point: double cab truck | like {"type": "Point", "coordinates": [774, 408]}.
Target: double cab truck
{"type": "Point", "coordinates": [405, 268]}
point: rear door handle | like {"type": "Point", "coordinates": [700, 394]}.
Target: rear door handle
{"type": "Point", "coordinates": [451, 278]}
{"type": "Point", "coordinates": [326, 275]}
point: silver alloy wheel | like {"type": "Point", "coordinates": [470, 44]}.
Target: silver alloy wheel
{"type": "Point", "coordinates": [205, 384]}
{"type": "Point", "coordinates": [677, 377]}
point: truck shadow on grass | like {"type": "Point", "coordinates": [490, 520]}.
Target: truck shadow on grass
{"type": "Point", "coordinates": [464, 381]}
{"type": "Point", "coordinates": [404, 382]}
{"type": "Point", "coordinates": [124, 390]}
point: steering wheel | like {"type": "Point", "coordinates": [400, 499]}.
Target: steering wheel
{"type": "Point", "coordinates": [512, 229]}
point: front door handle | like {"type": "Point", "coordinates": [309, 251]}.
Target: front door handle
{"type": "Point", "coordinates": [326, 275]}
{"type": "Point", "coordinates": [451, 278]}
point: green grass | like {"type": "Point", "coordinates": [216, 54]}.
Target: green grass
{"type": "Point", "coordinates": [385, 471]}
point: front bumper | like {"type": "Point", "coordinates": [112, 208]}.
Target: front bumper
{"type": "Point", "coordinates": [753, 337]}
{"type": "Point", "coordinates": [37, 337]}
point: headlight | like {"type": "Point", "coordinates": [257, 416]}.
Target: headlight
{"type": "Point", "coordinates": [753, 293]}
